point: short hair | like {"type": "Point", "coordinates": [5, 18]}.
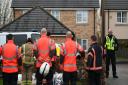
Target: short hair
{"type": "Point", "coordinates": [43, 30]}
{"type": "Point", "coordinates": [69, 34]}
{"type": "Point", "coordinates": [29, 40]}
{"type": "Point", "coordinates": [9, 37]}
{"type": "Point", "coordinates": [48, 33]}
{"type": "Point", "coordinates": [93, 38]}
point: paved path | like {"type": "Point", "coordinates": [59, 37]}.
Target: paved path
{"type": "Point", "coordinates": [122, 70]}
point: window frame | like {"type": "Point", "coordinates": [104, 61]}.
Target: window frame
{"type": "Point", "coordinates": [121, 17]}
{"type": "Point", "coordinates": [86, 16]}
{"type": "Point", "coordinates": [86, 43]}
{"type": "Point", "coordinates": [81, 40]}
{"type": "Point", "coordinates": [58, 18]}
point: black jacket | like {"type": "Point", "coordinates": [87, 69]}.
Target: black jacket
{"type": "Point", "coordinates": [98, 56]}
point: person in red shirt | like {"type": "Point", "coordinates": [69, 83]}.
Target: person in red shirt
{"type": "Point", "coordinates": [10, 62]}
{"type": "Point", "coordinates": [68, 59]}
{"type": "Point", "coordinates": [45, 51]}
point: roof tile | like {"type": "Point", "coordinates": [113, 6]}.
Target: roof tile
{"type": "Point", "coordinates": [35, 19]}
{"type": "Point", "coordinates": [56, 3]}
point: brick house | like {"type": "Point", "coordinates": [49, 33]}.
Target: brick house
{"type": "Point", "coordinates": [77, 15]}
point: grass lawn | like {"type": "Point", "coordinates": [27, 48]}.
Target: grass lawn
{"type": "Point", "coordinates": [78, 83]}
{"type": "Point", "coordinates": [1, 82]}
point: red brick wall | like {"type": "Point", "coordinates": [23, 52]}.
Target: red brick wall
{"type": "Point", "coordinates": [17, 13]}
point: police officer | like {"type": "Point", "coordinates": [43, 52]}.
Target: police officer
{"type": "Point", "coordinates": [46, 50]}
{"type": "Point", "coordinates": [111, 45]}
{"type": "Point", "coordinates": [27, 50]}
{"type": "Point", "coordinates": [68, 59]}
{"type": "Point", "coordinates": [10, 62]}
{"type": "Point", "coordinates": [94, 62]}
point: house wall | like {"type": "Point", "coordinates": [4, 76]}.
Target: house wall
{"type": "Point", "coordinates": [119, 30]}
{"type": "Point", "coordinates": [83, 31]}
{"type": "Point", "coordinates": [58, 39]}
{"type": "Point", "coordinates": [68, 18]}
{"type": "Point", "coordinates": [17, 13]}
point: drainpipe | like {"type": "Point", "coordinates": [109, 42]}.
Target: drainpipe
{"type": "Point", "coordinates": [108, 18]}
{"type": "Point", "coordinates": [94, 22]}
{"type": "Point", "coordinates": [103, 21]}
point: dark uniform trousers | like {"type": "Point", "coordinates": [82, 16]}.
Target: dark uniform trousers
{"type": "Point", "coordinates": [94, 77]}
{"type": "Point", "coordinates": [10, 78]}
{"type": "Point", "coordinates": [40, 77]}
{"type": "Point", "coordinates": [70, 77]}
{"type": "Point", "coordinates": [110, 57]}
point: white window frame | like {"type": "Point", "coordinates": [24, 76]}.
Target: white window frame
{"type": "Point", "coordinates": [83, 16]}
{"type": "Point", "coordinates": [122, 17]}
{"type": "Point", "coordinates": [82, 43]}
{"type": "Point", "coordinates": [86, 43]}
{"type": "Point", "coordinates": [52, 13]}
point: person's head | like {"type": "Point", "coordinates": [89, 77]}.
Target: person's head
{"type": "Point", "coordinates": [48, 34]}
{"type": "Point", "coordinates": [73, 36]}
{"type": "Point", "coordinates": [29, 40]}
{"type": "Point", "coordinates": [93, 39]}
{"type": "Point", "coordinates": [9, 37]}
{"type": "Point", "coordinates": [43, 31]}
{"type": "Point", "coordinates": [69, 34]}
{"type": "Point", "coordinates": [110, 32]}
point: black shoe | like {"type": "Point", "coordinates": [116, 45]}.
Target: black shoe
{"type": "Point", "coordinates": [115, 76]}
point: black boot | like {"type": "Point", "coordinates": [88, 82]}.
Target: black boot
{"type": "Point", "coordinates": [115, 76]}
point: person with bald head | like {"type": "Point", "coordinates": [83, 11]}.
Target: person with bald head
{"type": "Point", "coordinates": [45, 51]}
{"type": "Point", "coordinates": [68, 59]}
{"type": "Point", "coordinates": [111, 45]}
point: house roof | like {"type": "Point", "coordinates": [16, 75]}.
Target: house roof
{"type": "Point", "coordinates": [55, 3]}
{"type": "Point", "coordinates": [116, 4]}
{"type": "Point", "coordinates": [34, 20]}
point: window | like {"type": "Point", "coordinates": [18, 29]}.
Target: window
{"type": "Point", "coordinates": [81, 16]}
{"type": "Point", "coordinates": [56, 14]}
{"type": "Point", "coordinates": [122, 17]}
{"type": "Point", "coordinates": [83, 43]}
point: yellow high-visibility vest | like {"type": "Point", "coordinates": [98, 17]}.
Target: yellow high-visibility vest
{"type": "Point", "coordinates": [57, 50]}
{"type": "Point", "coordinates": [110, 43]}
